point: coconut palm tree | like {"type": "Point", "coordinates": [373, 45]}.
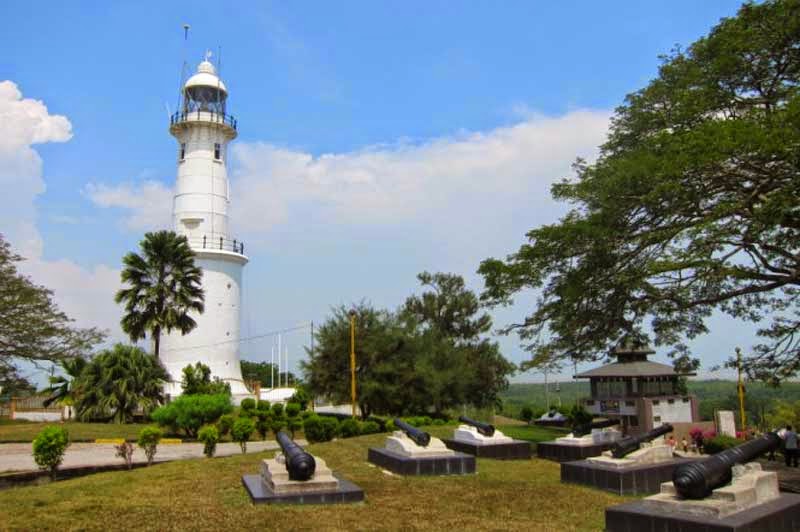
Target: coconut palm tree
{"type": "Point", "coordinates": [163, 288]}
{"type": "Point", "coordinates": [62, 388]}
{"type": "Point", "coordinates": [119, 381]}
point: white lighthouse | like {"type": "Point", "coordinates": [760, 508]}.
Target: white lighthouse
{"type": "Point", "coordinates": [203, 130]}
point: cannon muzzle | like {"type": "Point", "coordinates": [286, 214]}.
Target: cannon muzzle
{"type": "Point", "coordinates": [582, 430]}
{"type": "Point", "coordinates": [696, 480]}
{"type": "Point", "coordinates": [299, 463]}
{"type": "Point", "coordinates": [625, 446]}
{"type": "Point", "coordinates": [484, 428]}
{"type": "Point", "coordinates": [420, 437]}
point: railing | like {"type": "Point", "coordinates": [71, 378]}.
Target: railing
{"type": "Point", "coordinates": [217, 243]}
{"type": "Point", "coordinates": [203, 116]}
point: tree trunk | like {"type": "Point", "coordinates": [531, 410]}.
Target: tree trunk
{"type": "Point", "coordinates": [156, 340]}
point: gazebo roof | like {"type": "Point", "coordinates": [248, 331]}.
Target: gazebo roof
{"type": "Point", "coordinates": [631, 362]}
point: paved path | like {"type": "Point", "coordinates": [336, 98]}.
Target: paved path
{"type": "Point", "coordinates": [18, 456]}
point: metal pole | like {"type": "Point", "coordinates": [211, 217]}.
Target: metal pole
{"type": "Point", "coordinates": [353, 360]}
{"type": "Point", "coordinates": [279, 361]}
{"type": "Point", "coordinates": [272, 366]}
{"type": "Point", "coordinates": [741, 389]}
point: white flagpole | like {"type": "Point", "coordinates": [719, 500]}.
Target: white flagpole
{"type": "Point", "coordinates": [279, 361]}
{"type": "Point", "coordinates": [272, 365]}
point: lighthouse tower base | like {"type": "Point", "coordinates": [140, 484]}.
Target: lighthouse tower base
{"type": "Point", "coordinates": [215, 340]}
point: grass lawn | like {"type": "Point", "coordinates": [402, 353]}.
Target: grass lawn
{"type": "Point", "coordinates": [534, 433]}
{"type": "Point", "coordinates": [206, 494]}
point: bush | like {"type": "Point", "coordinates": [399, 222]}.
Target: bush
{"type": "Point", "coordinates": [148, 441]}
{"type": "Point", "coordinates": [125, 451]}
{"type": "Point", "coordinates": [292, 410]}
{"type": "Point", "coordinates": [49, 447]}
{"type": "Point", "coordinates": [190, 412]}
{"type": "Point", "coordinates": [224, 424]}
{"type": "Point", "coordinates": [320, 429]}
{"type": "Point", "coordinates": [390, 426]}
{"type": "Point", "coordinates": [349, 428]}
{"type": "Point", "coordinates": [370, 427]}
{"type": "Point", "coordinates": [294, 424]}
{"type": "Point", "coordinates": [720, 443]}
{"type": "Point", "coordinates": [241, 431]}
{"type": "Point", "coordinates": [248, 406]}
{"type": "Point", "coordinates": [277, 409]}
{"type": "Point", "coordinates": [209, 435]}
{"type": "Point", "coordinates": [526, 414]}
{"type": "Point", "coordinates": [263, 427]}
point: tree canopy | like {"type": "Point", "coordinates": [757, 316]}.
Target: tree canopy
{"type": "Point", "coordinates": [691, 207]}
{"type": "Point", "coordinates": [197, 380]}
{"type": "Point", "coordinates": [428, 356]}
{"type": "Point", "coordinates": [164, 287]}
{"type": "Point", "coordinates": [32, 327]}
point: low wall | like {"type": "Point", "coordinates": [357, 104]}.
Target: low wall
{"type": "Point", "coordinates": [37, 416]}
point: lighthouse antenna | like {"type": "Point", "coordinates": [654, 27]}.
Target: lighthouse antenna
{"type": "Point", "coordinates": [184, 66]}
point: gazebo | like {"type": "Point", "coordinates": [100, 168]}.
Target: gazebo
{"type": "Point", "coordinates": [641, 393]}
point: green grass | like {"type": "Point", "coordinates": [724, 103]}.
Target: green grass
{"type": "Point", "coordinates": [534, 433]}
{"type": "Point", "coordinates": [206, 494]}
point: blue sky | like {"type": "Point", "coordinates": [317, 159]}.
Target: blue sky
{"type": "Point", "coordinates": [377, 139]}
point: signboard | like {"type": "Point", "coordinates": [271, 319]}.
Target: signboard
{"type": "Point", "coordinates": [726, 422]}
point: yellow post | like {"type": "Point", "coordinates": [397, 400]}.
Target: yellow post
{"type": "Point", "coordinates": [353, 360]}
{"type": "Point", "coordinates": [741, 389]}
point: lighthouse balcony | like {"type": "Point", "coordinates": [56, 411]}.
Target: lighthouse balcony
{"type": "Point", "coordinates": [183, 118]}
{"type": "Point", "coordinates": [216, 242]}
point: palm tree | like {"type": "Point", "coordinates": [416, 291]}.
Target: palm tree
{"type": "Point", "coordinates": [118, 382]}
{"type": "Point", "coordinates": [62, 388]}
{"type": "Point", "coordinates": [164, 287]}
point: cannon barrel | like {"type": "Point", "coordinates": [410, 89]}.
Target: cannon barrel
{"type": "Point", "coordinates": [299, 463]}
{"type": "Point", "coordinates": [484, 428]}
{"type": "Point", "coordinates": [627, 445]}
{"type": "Point", "coordinates": [586, 428]}
{"type": "Point", "coordinates": [697, 480]}
{"type": "Point", "coordinates": [419, 437]}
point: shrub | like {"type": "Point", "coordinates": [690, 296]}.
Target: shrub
{"type": "Point", "coordinates": [263, 427]}
{"type": "Point", "coordinates": [125, 451]}
{"type": "Point", "coordinates": [349, 428]}
{"type": "Point", "coordinates": [277, 409]}
{"type": "Point", "coordinates": [241, 431]}
{"type": "Point", "coordinates": [720, 443]}
{"type": "Point", "coordinates": [224, 424]}
{"type": "Point", "coordinates": [370, 427]}
{"type": "Point", "coordinates": [301, 397]}
{"type": "Point", "coordinates": [49, 447]}
{"type": "Point", "coordinates": [248, 406]}
{"type": "Point", "coordinates": [305, 414]}
{"type": "Point", "coordinates": [320, 429]}
{"type": "Point", "coordinates": [190, 412]}
{"type": "Point", "coordinates": [390, 426]}
{"type": "Point", "coordinates": [292, 410]}
{"type": "Point", "coordinates": [526, 414]}
{"type": "Point", "coordinates": [277, 424]}
{"type": "Point", "coordinates": [197, 380]}
{"type": "Point", "coordinates": [438, 422]}
{"type": "Point", "coordinates": [148, 441]}
{"type": "Point", "coordinates": [209, 435]}
{"type": "Point", "coordinates": [294, 424]}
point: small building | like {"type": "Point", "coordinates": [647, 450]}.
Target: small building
{"type": "Point", "coordinates": [641, 393]}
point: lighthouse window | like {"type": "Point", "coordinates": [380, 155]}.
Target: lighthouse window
{"type": "Point", "coordinates": [183, 150]}
{"type": "Point", "coordinates": [216, 151]}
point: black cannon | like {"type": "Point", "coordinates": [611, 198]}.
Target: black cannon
{"type": "Point", "coordinates": [625, 446]}
{"type": "Point", "coordinates": [419, 437]}
{"type": "Point", "coordinates": [586, 428]}
{"type": "Point", "coordinates": [484, 428]}
{"type": "Point", "coordinates": [696, 480]}
{"type": "Point", "coordinates": [299, 463]}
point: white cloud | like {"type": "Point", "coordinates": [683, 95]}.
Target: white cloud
{"type": "Point", "coordinates": [85, 295]}
{"type": "Point", "coordinates": [451, 180]}
{"type": "Point", "coordinates": [149, 204]}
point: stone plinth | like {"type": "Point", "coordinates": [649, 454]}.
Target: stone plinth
{"type": "Point", "coordinates": [451, 463]}
{"type": "Point", "coordinates": [641, 479]}
{"type": "Point", "coordinates": [273, 486]}
{"type": "Point", "coordinates": [513, 450]}
{"type": "Point", "coordinates": [778, 515]}
{"type": "Point", "coordinates": [647, 455]}
{"type": "Point", "coordinates": [399, 443]}
{"type": "Point", "coordinates": [751, 502]}
{"type": "Point", "coordinates": [468, 434]}
{"type": "Point", "coordinates": [605, 436]}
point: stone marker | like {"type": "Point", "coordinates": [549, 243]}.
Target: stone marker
{"type": "Point", "coordinates": [726, 423]}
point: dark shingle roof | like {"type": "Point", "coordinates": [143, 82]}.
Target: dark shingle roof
{"type": "Point", "coordinates": [642, 368]}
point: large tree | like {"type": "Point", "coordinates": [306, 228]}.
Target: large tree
{"type": "Point", "coordinates": [163, 288]}
{"type": "Point", "coordinates": [63, 388]}
{"type": "Point", "coordinates": [118, 382]}
{"type": "Point", "coordinates": [32, 328]}
{"type": "Point", "coordinates": [457, 363]}
{"type": "Point", "coordinates": [691, 206]}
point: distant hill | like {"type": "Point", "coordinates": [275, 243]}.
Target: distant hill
{"type": "Point", "coordinates": [712, 394]}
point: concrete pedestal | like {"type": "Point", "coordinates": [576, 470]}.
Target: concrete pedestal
{"type": "Point", "coordinates": [643, 479]}
{"type": "Point", "coordinates": [452, 463]}
{"type": "Point", "coordinates": [779, 515]}
{"type": "Point", "coordinates": [513, 450]}
{"type": "Point", "coordinates": [260, 493]}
